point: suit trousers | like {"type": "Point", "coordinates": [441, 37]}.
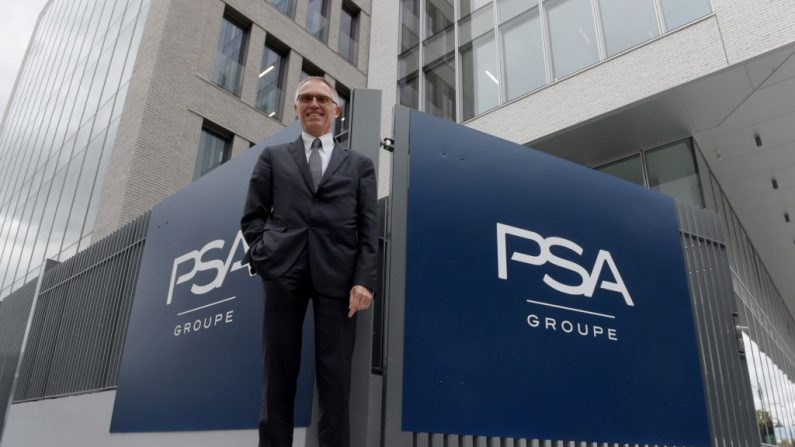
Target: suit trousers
{"type": "Point", "coordinates": [286, 300]}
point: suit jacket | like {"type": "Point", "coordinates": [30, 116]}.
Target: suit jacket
{"type": "Point", "coordinates": [335, 224]}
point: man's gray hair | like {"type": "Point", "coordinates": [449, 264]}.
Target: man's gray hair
{"type": "Point", "coordinates": [317, 79]}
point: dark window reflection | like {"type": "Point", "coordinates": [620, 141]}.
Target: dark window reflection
{"type": "Point", "coordinates": [285, 6]}
{"type": "Point", "coordinates": [679, 12]}
{"type": "Point", "coordinates": [317, 19]}
{"type": "Point", "coordinates": [438, 16]}
{"type": "Point", "coordinates": [270, 91]}
{"type": "Point", "coordinates": [214, 149]}
{"type": "Point", "coordinates": [348, 45]}
{"type": "Point", "coordinates": [228, 69]}
{"type": "Point", "coordinates": [408, 90]}
{"type": "Point", "coordinates": [672, 170]}
{"type": "Point", "coordinates": [629, 169]}
{"type": "Point", "coordinates": [440, 90]}
{"type": "Point", "coordinates": [409, 24]}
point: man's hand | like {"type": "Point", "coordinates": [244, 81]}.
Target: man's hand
{"type": "Point", "coordinates": [360, 299]}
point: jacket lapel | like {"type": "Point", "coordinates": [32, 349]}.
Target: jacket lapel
{"type": "Point", "coordinates": [338, 155]}
{"type": "Point", "coordinates": [296, 149]}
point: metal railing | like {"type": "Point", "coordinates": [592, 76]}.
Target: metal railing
{"type": "Point", "coordinates": [80, 321]}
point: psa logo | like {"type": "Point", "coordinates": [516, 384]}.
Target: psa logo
{"type": "Point", "coordinates": [199, 264]}
{"type": "Point", "coordinates": [586, 287]}
{"type": "Point", "coordinates": [206, 259]}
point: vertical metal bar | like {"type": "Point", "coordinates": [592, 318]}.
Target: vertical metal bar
{"type": "Point", "coordinates": [392, 434]}
{"type": "Point", "coordinates": [501, 93]}
{"type": "Point", "coordinates": [660, 17]}
{"type": "Point", "coordinates": [713, 316]}
{"type": "Point", "coordinates": [365, 137]}
{"type": "Point", "coordinates": [724, 302]}
{"type": "Point", "coordinates": [94, 302]}
{"type": "Point", "coordinates": [421, 56]}
{"type": "Point", "coordinates": [24, 343]}
{"type": "Point", "coordinates": [132, 264]}
{"type": "Point", "coordinates": [599, 34]}
{"type": "Point", "coordinates": [693, 285]}
{"type": "Point", "coordinates": [457, 66]}
{"type": "Point", "coordinates": [124, 316]}
{"type": "Point", "coordinates": [110, 319]}
{"type": "Point", "coordinates": [546, 42]}
{"type": "Point", "coordinates": [12, 317]}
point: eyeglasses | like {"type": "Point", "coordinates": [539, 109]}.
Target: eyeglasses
{"type": "Point", "coordinates": [321, 99]}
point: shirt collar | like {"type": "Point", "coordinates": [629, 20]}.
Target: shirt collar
{"type": "Point", "coordinates": [327, 140]}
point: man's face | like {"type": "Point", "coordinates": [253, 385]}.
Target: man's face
{"type": "Point", "coordinates": [316, 118]}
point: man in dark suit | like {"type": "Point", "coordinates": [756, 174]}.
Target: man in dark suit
{"type": "Point", "coordinates": [310, 222]}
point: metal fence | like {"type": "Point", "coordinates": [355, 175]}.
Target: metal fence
{"type": "Point", "coordinates": [80, 320]}
{"type": "Point", "coordinates": [729, 400]}
{"type": "Point", "coordinates": [14, 312]}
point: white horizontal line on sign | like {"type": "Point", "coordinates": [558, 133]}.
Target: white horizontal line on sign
{"type": "Point", "coordinates": [206, 306]}
{"type": "Point", "coordinates": [572, 309]}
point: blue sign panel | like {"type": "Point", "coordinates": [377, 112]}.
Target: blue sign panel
{"type": "Point", "coordinates": [543, 299]}
{"type": "Point", "coordinates": [192, 356]}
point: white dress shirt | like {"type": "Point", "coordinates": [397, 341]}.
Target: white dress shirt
{"type": "Point", "coordinates": [325, 152]}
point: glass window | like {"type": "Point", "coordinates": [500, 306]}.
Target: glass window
{"type": "Point", "coordinates": [475, 25]}
{"type": "Point", "coordinates": [439, 60]}
{"type": "Point", "coordinates": [317, 19]}
{"type": "Point", "coordinates": [270, 92]}
{"type": "Point", "coordinates": [285, 6]}
{"type": "Point", "coordinates": [672, 170]}
{"type": "Point", "coordinates": [213, 151]}
{"type": "Point", "coordinates": [468, 6]}
{"type": "Point", "coordinates": [84, 189]}
{"type": "Point", "coordinates": [59, 222]}
{"type": "Point", "coordinates": [348, 46]}
{"type": "Point", "coordinates": [680, 12]}
{"type": "Point", "coordinates": [523, 51]}
{"type": "Point", "coordinates": [96, 194]}
{"type": "Point", "coordinates": [440, 89]}
{"type": "Point", "coordinates": [479, 83]}
{"type": "Point", "coordinates": [629, 169]}
{"type": "Point", "coordinates": [438, 16]}
{"type": "Point", "coordinates": [342, 122]}
{"type": "Point", "coordinates": [409, 24]}
{"type": "Point", "coordinates": [409, 91]}
{"type": "Point", "coordinates": [627, 23]}
{"type": "Point", "coordinates": [117, 63]}
{"type": "Point", "coordinates": [229, 57]}
{"type": "Point", "coordinates": [572, 35]}
{"type": "Point", "coordinates": [408, 84]}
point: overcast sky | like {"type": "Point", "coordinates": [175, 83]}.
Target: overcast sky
{"type": "Point", "coordinates": [17, 19]}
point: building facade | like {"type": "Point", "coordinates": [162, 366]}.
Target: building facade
{"type": "Point", "coordinates": [206, 80]}
{"type": "Point", "coordinates": [119, 104]}
{"type": "Point", "coordinates": [59, 131]}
